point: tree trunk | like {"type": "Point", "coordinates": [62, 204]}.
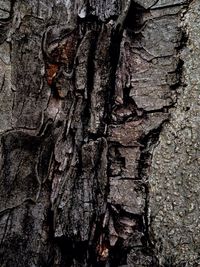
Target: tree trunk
{"type": "Point", "coordinates": [99, 133]}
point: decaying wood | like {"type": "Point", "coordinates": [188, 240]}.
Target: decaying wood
{"type": "Point", "coordinates": [89, 94]}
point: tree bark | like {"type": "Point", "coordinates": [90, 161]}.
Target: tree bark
{"type": "Point", "coordinates": [99, 133]}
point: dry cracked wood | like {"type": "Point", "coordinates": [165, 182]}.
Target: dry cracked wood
{"type": "Point", "coordinates": [87, 88]}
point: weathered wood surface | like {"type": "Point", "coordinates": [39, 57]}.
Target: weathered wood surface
{"type": "Point", "coordinates": [99, 131]}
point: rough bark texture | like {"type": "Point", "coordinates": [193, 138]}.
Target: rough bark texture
{"type": "Point", "coordinates": [99, 133]}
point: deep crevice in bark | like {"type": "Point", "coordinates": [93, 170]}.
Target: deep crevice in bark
{"type": "Point", "coordinates": [117, 230]}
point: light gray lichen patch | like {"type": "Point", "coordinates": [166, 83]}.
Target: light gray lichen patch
{"type": "Point", "coordinates": [175, 171]}
{"type": "Point", "coordinates": [5, 7]}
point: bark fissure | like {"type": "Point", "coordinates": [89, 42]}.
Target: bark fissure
{"type": "Point", "coordinates": [87, 91]}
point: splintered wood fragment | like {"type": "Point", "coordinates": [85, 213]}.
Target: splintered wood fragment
{"type": "Point", "coordinates": [103, 252]}
{"type": "Point", "coordinates": [51, 71]}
